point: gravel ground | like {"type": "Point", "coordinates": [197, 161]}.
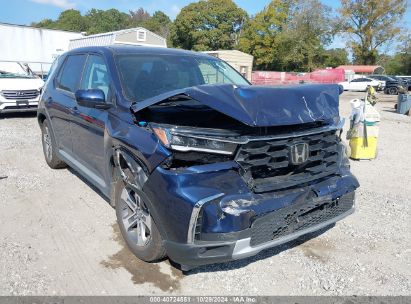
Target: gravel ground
{"type": "Point", "coordinates": [59, 237]}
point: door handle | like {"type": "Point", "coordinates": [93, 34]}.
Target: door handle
{"type": "Point", "coordinates": [74, 110]}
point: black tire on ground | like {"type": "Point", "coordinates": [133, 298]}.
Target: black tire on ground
{"type": "Point", "coordinates": [392, 91]}
{"type": "Point", "coordinates": [49, 147]}
{"type": "Point", "coordinates": [152, 250]}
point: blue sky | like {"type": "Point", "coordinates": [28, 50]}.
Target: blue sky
{"type": "Point", "coordinates": [26, 11]}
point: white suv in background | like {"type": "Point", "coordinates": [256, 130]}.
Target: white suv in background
{"type": "Point", "coordinates": [19, 89]}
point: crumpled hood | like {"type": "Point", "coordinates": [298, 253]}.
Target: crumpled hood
{"type": "Point", "coordinates": [262, 106]}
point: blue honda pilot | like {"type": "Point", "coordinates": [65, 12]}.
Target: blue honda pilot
{"type": "Point", "coordinates": [199, 165]}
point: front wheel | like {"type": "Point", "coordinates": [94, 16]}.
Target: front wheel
{"type": "Point", "coordinates": [136, 224]}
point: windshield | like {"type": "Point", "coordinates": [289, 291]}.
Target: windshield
{"type": "Point", "coordinates": [4, 74]}
{"type": "Point", "coordinates": [14, 70]}
{"type": "Point", "coordinates": [145, 76]}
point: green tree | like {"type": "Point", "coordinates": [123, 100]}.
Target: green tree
{"type": "Point", "coordinates": [304, 38]}
{"type": "Point", "coordinates": [400, 62]}
{"type": "Point", "coordinates": [370, 24]}
{"type": "Point", "coordinates": [288, 35]}
{"type": "Point", "coordinates": [71, 20]}
{"type": "Point", "coordinates": [138, 17]}
{"type": "Point", "coordinates": [45, 23]}
{"type": "Point", "coordinates": [68, 20]}
{"type": "Point", "coordinates": [159, 23]}
{"type": "Point", "coordinates": [335, 57]}
{"type": "Point", "coordinates": [261, 36]}
{"type": "Point", "coordinates": [100, 21]}
{"type": "Point", "coordinates": [208, 25]}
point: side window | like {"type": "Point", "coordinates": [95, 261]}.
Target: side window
{"type": "Point", "coordinates": [69, 76]}
{"type": "Point", "coordinates": [211, 72]}
{"type": "Point", "coordinates": [95, 75]}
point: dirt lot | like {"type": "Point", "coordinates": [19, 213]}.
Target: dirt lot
{"type": "Point", "coordinates": [58, 236]}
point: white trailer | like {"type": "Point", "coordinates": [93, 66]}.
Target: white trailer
{"type": "Point", "coordinates": [35, 46]}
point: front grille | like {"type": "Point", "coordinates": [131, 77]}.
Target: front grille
{"type": "Point", "coordinates": [266, 165]}
{"type": "Point", "coordinates": [297, 217]}
{"type": "Point", "coordinates": [20, 95]}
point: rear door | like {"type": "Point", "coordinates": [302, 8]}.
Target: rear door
{"type": "Point", "coordinates": [89, 123]}
{"type": "Point", "coordinates": [61, 103]}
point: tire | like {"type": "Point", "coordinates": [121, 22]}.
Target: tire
{"type": "Point", "coordinates": [49, 147]}
{"type": "Point", "coordinates": [136, 224]}
{"type": "Point", "coordinates": [392, 91]}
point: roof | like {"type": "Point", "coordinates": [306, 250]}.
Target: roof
{"type": "Point", "coordinates": [362, 68]}
{"type": "Point", "coordinates": [135, 49]}
{"type": "Point", "coordinates": [135, 29]}
{"type": "Point", "coordinates": [37, 28]}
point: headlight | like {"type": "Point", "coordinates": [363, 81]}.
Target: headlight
{"type": "Point", "coordinates": [189, 142]}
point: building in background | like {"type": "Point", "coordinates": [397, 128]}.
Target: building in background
{"type": "Point", "coordinates": [242, 62]}
{"type": "Point", "coordinates": [36, 47]}
{"type": "Point", "coordinates": [134, 36]}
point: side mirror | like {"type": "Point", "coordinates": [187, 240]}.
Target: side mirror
{"type": "Point", "coordinates": [92, 98]}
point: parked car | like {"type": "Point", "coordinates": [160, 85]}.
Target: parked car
{"type": "Point", "coordinates": [390, 84]}
{"type": "Point", "coordinates": [199, 165]}
{"type": "Point", "coordinates": [405, 82]}
{"type": "Point", "coordinates": [360, 84]}
{"type": "Point", "coordinates": [19, 90]}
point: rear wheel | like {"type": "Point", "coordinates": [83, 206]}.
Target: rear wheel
{"type": "Point", "coordinates": [49, 147]}
{"type": "Point", "coordinates": [392, 91]}
{"type": "Point", "coordinates": [136, 224]}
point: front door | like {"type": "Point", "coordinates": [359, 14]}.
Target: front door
{"type": "Point", "coordinates": [89, 123]}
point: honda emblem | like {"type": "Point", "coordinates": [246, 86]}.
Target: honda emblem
{"type": "Point", "coordinates": [299, 153]}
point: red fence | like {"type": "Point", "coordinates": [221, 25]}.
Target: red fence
{"type": "Point", "coordinates": [283, 78]}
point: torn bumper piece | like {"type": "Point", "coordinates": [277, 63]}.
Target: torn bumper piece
{"type": "Point", "coordinates": [210, 252]}
{"type": "Point", "coordinates": [220, 219]}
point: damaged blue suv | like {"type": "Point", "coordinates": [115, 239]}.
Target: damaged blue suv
{"type": "Point", "coordinates": [199, 165]}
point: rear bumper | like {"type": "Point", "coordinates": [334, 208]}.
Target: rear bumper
{"type": "Point", "coordinates": [224, 247]}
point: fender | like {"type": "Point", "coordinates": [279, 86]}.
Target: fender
{"type": "Point", "coordinates": [131, 171]}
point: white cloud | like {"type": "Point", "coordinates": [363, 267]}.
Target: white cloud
{"type": "Point", "coordinates": [64, 4]}
{"type": "Point", "coordinates": [175, 10]}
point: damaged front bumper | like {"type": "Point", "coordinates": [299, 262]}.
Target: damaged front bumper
{"type": "Point", "coordinates": [212, 216]}
{"type": "Point", "coordinates": [217, 251]}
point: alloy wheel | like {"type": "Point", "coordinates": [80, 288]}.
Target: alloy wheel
{"type": "Point", "coordinates": [135, 216]}
{"type": "Point", "coordinates": [48, 148]}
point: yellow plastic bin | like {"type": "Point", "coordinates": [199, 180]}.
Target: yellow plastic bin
{"type": "Point", "coordinates": [361, 148]}
{"type": "Point", "coordinates": [360, 151]}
